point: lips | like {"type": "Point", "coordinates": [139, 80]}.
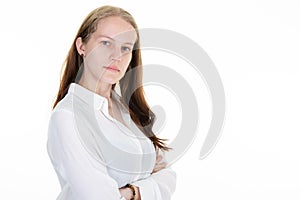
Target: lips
{"type": "Point", "coordinates": [112, 68]}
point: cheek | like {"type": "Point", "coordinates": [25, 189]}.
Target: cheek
{"type": "Point", "coordinates": [125, 61]}
{"type": "Point", "coordinates": [98, 57]}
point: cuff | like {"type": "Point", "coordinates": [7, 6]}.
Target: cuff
{"type": "Point", "coordinates": [148, 189]}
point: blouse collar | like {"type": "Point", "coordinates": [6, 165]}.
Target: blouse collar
{"type": "Point", "coordinates": [95, 100]}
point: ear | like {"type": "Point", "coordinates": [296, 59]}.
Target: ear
{"type": "Point", "coordinates": [80, 46]}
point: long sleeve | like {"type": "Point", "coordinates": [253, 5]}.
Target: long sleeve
{"type": "Point", "coordinates": [81, 176]}
{"type": "Point", "coordinates": [158, 186]}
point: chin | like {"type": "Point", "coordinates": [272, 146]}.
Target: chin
{"type": "Point", "coordinates": [110, 81]}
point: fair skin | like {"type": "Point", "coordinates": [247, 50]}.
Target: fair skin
{"type": "Point", "coordinates": [113, 40]}
{"type": "Point", "coordinates": [106, 56]}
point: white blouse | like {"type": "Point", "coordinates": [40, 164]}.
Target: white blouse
{"type": "Point", "coordinates": [94, 154]}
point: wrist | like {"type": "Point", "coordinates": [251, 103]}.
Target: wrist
{"type": "Point", "coordinates": [137, 193]}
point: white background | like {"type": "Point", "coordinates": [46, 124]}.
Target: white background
{"type": "Point", "coordinates": [255, 46]}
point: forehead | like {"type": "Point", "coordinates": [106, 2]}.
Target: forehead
{"type": "Point", "coordinates": [117, 28]}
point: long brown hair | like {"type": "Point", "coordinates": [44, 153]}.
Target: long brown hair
{"type": "Point", "coordinates": [131, 87]}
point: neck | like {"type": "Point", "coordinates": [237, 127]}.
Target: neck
{"type": "Point", "coordinates": [101, 88]}
{"type": "Point", "coordinates": [104, 89]}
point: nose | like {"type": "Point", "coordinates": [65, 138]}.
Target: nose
{"type": "Point", "coordinates": [116, 55]}
{"type": "Point", "coordinates": [116, 59]}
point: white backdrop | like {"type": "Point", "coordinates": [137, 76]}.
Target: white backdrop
{"type": "Point", "coordinates": [255, 46]}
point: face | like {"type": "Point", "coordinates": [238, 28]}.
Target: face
{"type": "Point", "coordinates": [108, 51]}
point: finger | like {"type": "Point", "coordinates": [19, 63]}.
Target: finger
{"type": "Point", "coordinates": [157, 169]}
{"type": "Point", "coordinates": [159, 158]}
{"type": "Point", "coordinates": [163, 164]}
{"type": "Point", "coordinates": [159, 166]}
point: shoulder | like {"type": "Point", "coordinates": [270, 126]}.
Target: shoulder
{"type": "Point", "coordinates": [65, 104]}
{"type": "Point", "coordinates": [62, 114]}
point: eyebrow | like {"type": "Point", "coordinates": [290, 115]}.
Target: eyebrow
{"type": "Point", "coordinates": [114, 39]}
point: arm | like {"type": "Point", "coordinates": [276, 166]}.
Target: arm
{"type": "Point", "coordinates": [85, 177]}
{"type": "Point", "coordinates": [160, 185]}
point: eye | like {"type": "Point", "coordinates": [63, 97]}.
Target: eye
{"type": "Point", "coordinates": [126, 49]}
{"type": "Point", "coordinates": [105, 43]}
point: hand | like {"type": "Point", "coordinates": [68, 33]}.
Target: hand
{"type": "Point", "coordinates": [126, 193]}
{"type": "Point", "coordinates": [158, 164]}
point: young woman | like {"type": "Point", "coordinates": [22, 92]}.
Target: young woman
{"type": "Point", "coordinates": [101, 142]}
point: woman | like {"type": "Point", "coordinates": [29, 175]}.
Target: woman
{"type": "Point", "coordinates": [101, 143]}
